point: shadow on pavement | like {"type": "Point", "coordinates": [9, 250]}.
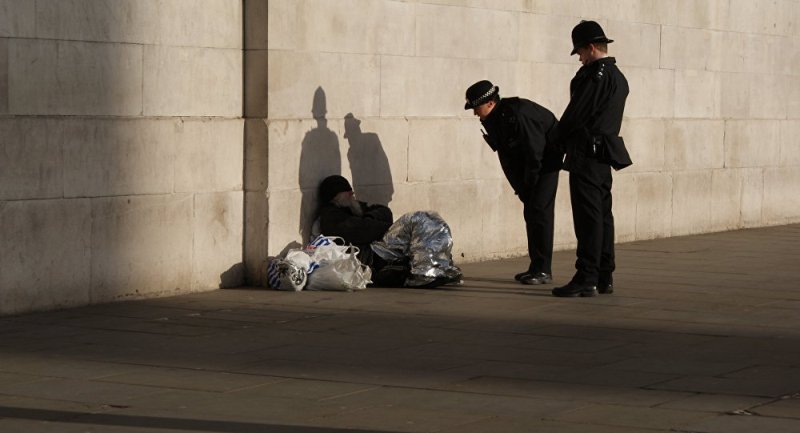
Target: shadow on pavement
{"type": "Point", "coordinates": [196, 425]}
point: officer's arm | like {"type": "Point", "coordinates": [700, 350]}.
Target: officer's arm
{"type": "Point", "coordinates": [582, 106]}
{"type": "Point", "coordinates": [535, 141]}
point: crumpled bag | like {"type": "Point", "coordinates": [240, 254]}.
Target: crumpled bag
{"type": "Point", "coordinates": [290, 272]}
{"type": "Point", "coordinates": [301, 258]}
{"type": "Point", "coordinates": [338, 269]}
{"type": "Point", "coordinates": [325, 249]}
{"type": "Point", "coordinates": [425, 239]}
{"type": "Point", "coordinates": [285, 275]}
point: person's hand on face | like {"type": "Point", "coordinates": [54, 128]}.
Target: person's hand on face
{"type": "Point", "coordinates": [343, 198]}
{"type": "Point", "coordinates": [347, 199]}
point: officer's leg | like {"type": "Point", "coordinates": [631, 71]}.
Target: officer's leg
{"type": "Point", "coordinates": [587, 213]}
{"type": "Point", "coordinates": [607, 263]}
{"type": "Point", "coordinates": [538, 210]}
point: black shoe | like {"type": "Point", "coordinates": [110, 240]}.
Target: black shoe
{"type": "Point", "coordinates": [536, 278]}
{"type": "Point", "coordinates": [606, 285]}
{"type": "Point", "coordinates": [391, 276]}
{"type": "Point", "coordinates": [605, 288]}
{"type": "Point", "coordinates": [522, 275]}
{"type": "Point", "coordinates": [572, 290]}
{"type": "Point", "coordinates": [439, 281]}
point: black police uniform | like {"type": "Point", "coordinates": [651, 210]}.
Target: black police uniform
{"type": "Point", "coordinates": [589, 134]}
{"type": "Point", "coordinates": [520, 131]}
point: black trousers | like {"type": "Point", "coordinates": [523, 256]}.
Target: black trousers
{"type": "Point", "coordinates": [538, 210]}
{"type": "Point", "coordinates": [590, 193]}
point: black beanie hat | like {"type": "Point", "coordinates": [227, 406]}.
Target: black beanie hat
{"type": "Point", "coordinates": [331, 186]}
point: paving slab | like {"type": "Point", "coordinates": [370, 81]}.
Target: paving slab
{"type": "Point", "coordinates": [701, 335]}
{"type": "Point", "coordinates": [745, 424]}
{"type": "Point", "coordinates": [783, 408]}
{"type": "Point", "coordinates": [716, 403]}
{"type": "Point", "coordinates": [637, 417]}
{"type": "Point", "coordinates": [521, 425]}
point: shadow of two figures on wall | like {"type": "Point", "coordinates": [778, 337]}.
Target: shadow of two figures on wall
{"type": "Point", "coordinates": [320, 157]}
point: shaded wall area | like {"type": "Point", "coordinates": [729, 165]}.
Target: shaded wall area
{"type": "Point", "coordinates": [711, 121]}
{"type": "Point", "coordinates": [122, 150]}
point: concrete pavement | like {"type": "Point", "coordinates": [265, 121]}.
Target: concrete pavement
{"type": "Point", "coordinates": [702, 335]}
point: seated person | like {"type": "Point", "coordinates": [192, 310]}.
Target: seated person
{"type": "Point", "coordinates": [414, 251]}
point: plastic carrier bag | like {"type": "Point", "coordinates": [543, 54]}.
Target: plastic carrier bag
{"type": "Point", "coordinates": [337, 266]}
{"type": "Point", "coordinates": [324, 264]}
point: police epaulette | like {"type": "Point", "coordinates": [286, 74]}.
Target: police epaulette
{"type": "Point", "coordinates": [600, 72]}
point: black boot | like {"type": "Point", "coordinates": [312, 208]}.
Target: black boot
{"type": "Point", "coordinates": [535, 278]}
{"type": "Point", "coordinates": [572, 290]}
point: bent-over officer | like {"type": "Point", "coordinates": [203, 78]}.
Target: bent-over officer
{"type": "Point", "coordinates": [519, 131]}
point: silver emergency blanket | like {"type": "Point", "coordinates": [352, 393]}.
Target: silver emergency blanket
{"type": "Point", "coordinates": [425, 239]}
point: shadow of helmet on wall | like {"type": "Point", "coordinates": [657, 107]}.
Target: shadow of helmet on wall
{"type": "Point", "coordinates": [320, 157]}
{"type": "Point", "coordinates": [372, 175]}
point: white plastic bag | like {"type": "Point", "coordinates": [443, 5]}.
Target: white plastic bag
{"type": "Point", "coordinates": [324, 264]}
{"type": "Point", "coordinates": [301, 259]}
{"type": "Point", "coordinates": [326, 249]}
{"type": "Point", "coordinates": [330, 253]}
{"type": "Point", "coordinates": [340, 269]}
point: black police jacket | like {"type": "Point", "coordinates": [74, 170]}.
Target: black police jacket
{"type": "Point", "coordinates": [520, 132]}
{"type": "Point", "coordinates": [592, 120]}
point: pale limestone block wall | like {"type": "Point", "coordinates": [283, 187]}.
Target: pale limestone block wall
{"type": "Point", "coordinates": [122, 150]}
{"type": "Point", "coordinates": [128, 170]}
{"type": "Point", "coordinates": [711, 121]}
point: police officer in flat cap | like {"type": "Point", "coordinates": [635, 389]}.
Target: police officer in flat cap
{"type": "Point", "coordinates": [589, 134]}
{"type": "Point", "coordinates": [520, 132]}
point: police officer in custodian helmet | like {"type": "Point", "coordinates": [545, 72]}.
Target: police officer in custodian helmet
{"type": "Point", "coordinates": [588, 132]}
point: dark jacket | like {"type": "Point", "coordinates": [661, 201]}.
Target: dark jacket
{"type": "Point", "coordinates": [357, 230]}
{"type": "Point", "coordinates": [592, 120]}
{"type": "Point", "coordinates": [520, 132]}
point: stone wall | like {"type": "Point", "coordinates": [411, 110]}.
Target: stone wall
{"type": "Point", "coordinates": [147, 146]}
{"type": "Point", "coordinates": [122, 149]}
{"type": "Point", "coordinates": [339, 86]}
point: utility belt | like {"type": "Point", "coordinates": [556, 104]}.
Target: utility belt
{"type": "Point", "coordinates": [595, 148]}
{"type": "Point", "coordinates": [586, 145]}
{"type": "Point", "coordinates": [602, 148]}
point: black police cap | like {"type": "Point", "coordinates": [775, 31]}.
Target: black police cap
{"type": "Point", "coordinates": [481, 92]}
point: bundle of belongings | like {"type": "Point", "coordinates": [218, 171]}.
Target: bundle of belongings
{"type": "Point", "coordinates": [334, 266]}
{"type": "Point", "coordinates": [363, 246]}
